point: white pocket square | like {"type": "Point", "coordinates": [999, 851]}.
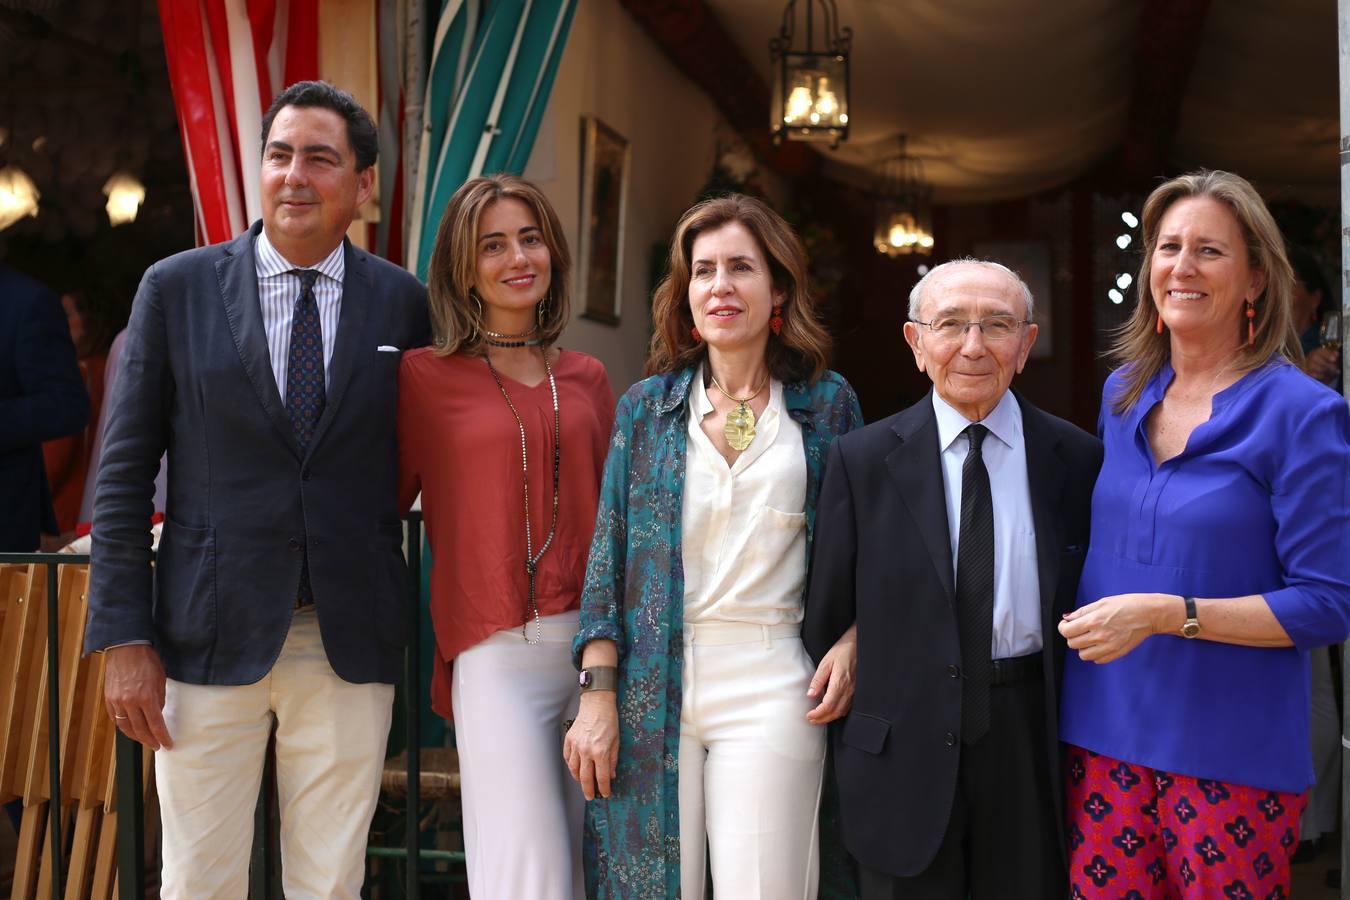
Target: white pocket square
{"type": "Point", "coordinates": [385, 348]}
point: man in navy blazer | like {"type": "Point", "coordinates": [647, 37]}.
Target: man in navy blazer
{"type": "Point", "coordinates": [267, 367]}
{"type": "Point", "coordinates": [953, 534]}
{"type": "Point", "coordinates": [42, 397]}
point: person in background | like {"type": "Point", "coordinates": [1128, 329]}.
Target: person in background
{"type": "Point", "coordinates": [1217, 562]}
{"type": "Point", "coordinates": [952, 534]}
{"type": "Point", "coordinates": [42, 398]}
{"type": "Point", "coordinates": [504, 434]}
{"type": "Point", "coordinates": [701, 714]}
{"type": "Point", "coordinates": [70, 460]}
{"type": "Point", "coordinates": [1313, 299]}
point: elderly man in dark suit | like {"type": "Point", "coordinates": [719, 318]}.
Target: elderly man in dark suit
{"type": "Point", "coordinates": [267, 367]}
{"type": "Point", "coordinates": [953, 534]}
{"type": "Point", "coordinates": [42, 397]}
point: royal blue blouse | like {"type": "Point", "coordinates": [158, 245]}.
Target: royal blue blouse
{"type": "Point", "coordinates": [1257, 503]}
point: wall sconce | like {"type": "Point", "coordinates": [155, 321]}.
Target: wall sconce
{"type": "Point", "coordinates": [125, 195]}
{"type": "Point", "coordinates": [904, 223]}
{"type": "Point", "coordinates": [810, 84]}
{"type": "Point", "coordinates": [18, 196]}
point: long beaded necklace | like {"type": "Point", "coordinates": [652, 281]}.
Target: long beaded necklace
{"type": "Point", "coordinates": [532, 558]}
{"type": "Point", "coordinates": [740, 424]}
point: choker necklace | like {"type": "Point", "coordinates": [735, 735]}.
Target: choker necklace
{"type": "Point", "coordinates": [532, 558]}
{"type": "Point", "coordinates": [493, 342]}
{"type": "Point", "coordinates": [740, 425]}
{"type": "Point", "coordinates": [502, 336]}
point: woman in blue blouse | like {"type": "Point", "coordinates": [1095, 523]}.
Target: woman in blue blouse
{"type": "Point", "coordinates": [699, 722]}
{"type": "Point", "coordinates": [1220, 523]}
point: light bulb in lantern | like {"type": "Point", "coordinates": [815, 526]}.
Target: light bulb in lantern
{"type": "Point", "coordinates": [125, 196]}
{"type": "Point", "coordinates": [897, 235]}
{"type": "Point", "coordinates": [827, 104]}
{"type": "Point", "coordinates": [926, 241]}
{"type": "Point", "coordinates": [799, 104]}
{"type": "Point", "coordinates": [18, 196]}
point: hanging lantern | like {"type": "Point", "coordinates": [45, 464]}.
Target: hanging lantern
{"type": "Point", "coordinates": [904, 223]}
{"type": "Point", "coordinates": [810, 82]}
{"type": "Point", "coordinates": [125, 195]}
{"type": "Point", "coordinates": [18, 196]}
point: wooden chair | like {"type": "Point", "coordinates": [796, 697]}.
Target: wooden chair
{"type": "Point", "coordinates": [87, 747]}
{"type": "Point", "coordinates": [438, 781]}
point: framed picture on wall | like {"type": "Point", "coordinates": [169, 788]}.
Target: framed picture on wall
{"type": "Point", "coordinates": [1031, 260]}
{"type": "Point", "coordinates": [604, 190]}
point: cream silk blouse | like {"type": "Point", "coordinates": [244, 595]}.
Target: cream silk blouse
{"type": "Point", "coordinates": [744, 543]}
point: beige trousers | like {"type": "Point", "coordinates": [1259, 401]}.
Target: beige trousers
{"type": "Point", "coordinates": [330, 743]}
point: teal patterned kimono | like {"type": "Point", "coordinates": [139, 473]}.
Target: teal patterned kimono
{"type": "Point", "coordinates": [634, 596]}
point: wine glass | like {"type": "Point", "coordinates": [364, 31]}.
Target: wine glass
{"type": "Point", "coordinates": [1330, 332]}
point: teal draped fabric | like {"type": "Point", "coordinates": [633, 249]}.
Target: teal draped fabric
{"type": "Point", "coordinates": [492, 69]}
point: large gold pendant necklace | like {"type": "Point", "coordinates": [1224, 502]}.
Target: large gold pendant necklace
{"type": "Point", "coordinates": [740, 425]}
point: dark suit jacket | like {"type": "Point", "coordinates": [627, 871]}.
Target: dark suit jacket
{"type": "Point", "coordinates": [195, 378]}
{"type": "Point", "coordinates": [42, 397]}
{"type": "Point", "coordinates": [883, 556]}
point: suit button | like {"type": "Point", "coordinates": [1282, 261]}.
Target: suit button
{"type": "Point", "coordinates": [304, 475]}
{"type": "Point", "coordinates": [293, 544]}
{"type": "Point", "coordinates": [954, 671]}
{"type": "Point", "coordinates": [950, 739]}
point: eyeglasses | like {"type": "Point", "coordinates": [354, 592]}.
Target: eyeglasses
{"type": "Point", "coordinates": [994, 328]}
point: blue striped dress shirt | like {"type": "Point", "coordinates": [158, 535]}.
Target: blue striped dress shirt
{"type": "Point", "coordinates": [279, 288]}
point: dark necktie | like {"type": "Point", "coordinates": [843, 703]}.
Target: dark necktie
{"type": "Point", "coordinates": [975, 588]}
{"type": "Point", "coordinates": [304, 362]}
{"type": "Point", "coordinates": [304, 386]}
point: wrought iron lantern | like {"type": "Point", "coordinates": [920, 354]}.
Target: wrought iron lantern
{"type": "Point", "coordinates": [810, 83]}
{"type": "Point", "coordinates": [904, 223]}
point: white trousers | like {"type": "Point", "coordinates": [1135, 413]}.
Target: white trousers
{"type": "Point", "coordinates": [751, 766]}
{"type": "Point", "coordinates": [330, 743]}
{"type": "Point", "coordinates": [523, 812]}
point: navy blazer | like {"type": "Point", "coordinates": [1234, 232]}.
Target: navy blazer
{"type": "Point", "coordinates": [42, 397]}
{"type": "Point", "coordinates": [242, 501]}
{"type": "Point", "coordinates": [883, 557]}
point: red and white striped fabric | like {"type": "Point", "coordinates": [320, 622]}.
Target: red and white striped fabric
{"type": "Point", "coordinates": [227, 59]}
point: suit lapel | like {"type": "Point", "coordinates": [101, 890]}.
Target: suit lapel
{"type": "Point", "coordinates": [356, 303]}
{"type": "Point", "coordinates": [237, 274]}
{"type": "Point", "coordinates": [916, 467]}
{"type": "Point", "coordinates": [1045, 476]}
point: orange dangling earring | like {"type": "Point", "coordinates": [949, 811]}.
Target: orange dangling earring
{"type": "Point", "coordinates": [1251, 322]}
{"type": "Point", "coordinates": [1159, 328]}
{"type": "Point", "coordinates": [776, 320]}
{"type": "Point", "coordinates": [698, 338]}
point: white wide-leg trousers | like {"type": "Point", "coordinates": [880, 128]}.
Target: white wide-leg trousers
{"type": "Point", "coordinates": [751, 766]}
{"type": "Point", "coordinates": [523, 812]}
{"type": "Point", "coordinates": [330, 743]}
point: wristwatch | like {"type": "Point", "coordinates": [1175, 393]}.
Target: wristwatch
{"type": "Point", "coordinates": [598, 678]}
{"type": "Point", "coordinates": [1191, 627]}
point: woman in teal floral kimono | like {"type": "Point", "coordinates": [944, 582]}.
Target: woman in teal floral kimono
{"type": "Point", "coordinates": [702, 718]}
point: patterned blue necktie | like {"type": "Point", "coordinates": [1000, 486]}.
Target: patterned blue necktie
{"type": "Point", "coordinates": [305, 392]}
{"type": "Point", "coordinates": [304, 363]}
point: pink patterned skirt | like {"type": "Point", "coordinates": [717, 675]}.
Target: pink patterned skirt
{"type": "Point", "coordinates": [1137, 833]}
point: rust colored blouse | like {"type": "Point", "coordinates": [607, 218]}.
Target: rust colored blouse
{"type": "Point", "coordinates": [460, 446]}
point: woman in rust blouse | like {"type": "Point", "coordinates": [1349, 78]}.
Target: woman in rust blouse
{"type": "Point", "coordinates": [505, 436]}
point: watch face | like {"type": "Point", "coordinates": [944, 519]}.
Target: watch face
{"type": "Point", "coordinates": [1190, 629]}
